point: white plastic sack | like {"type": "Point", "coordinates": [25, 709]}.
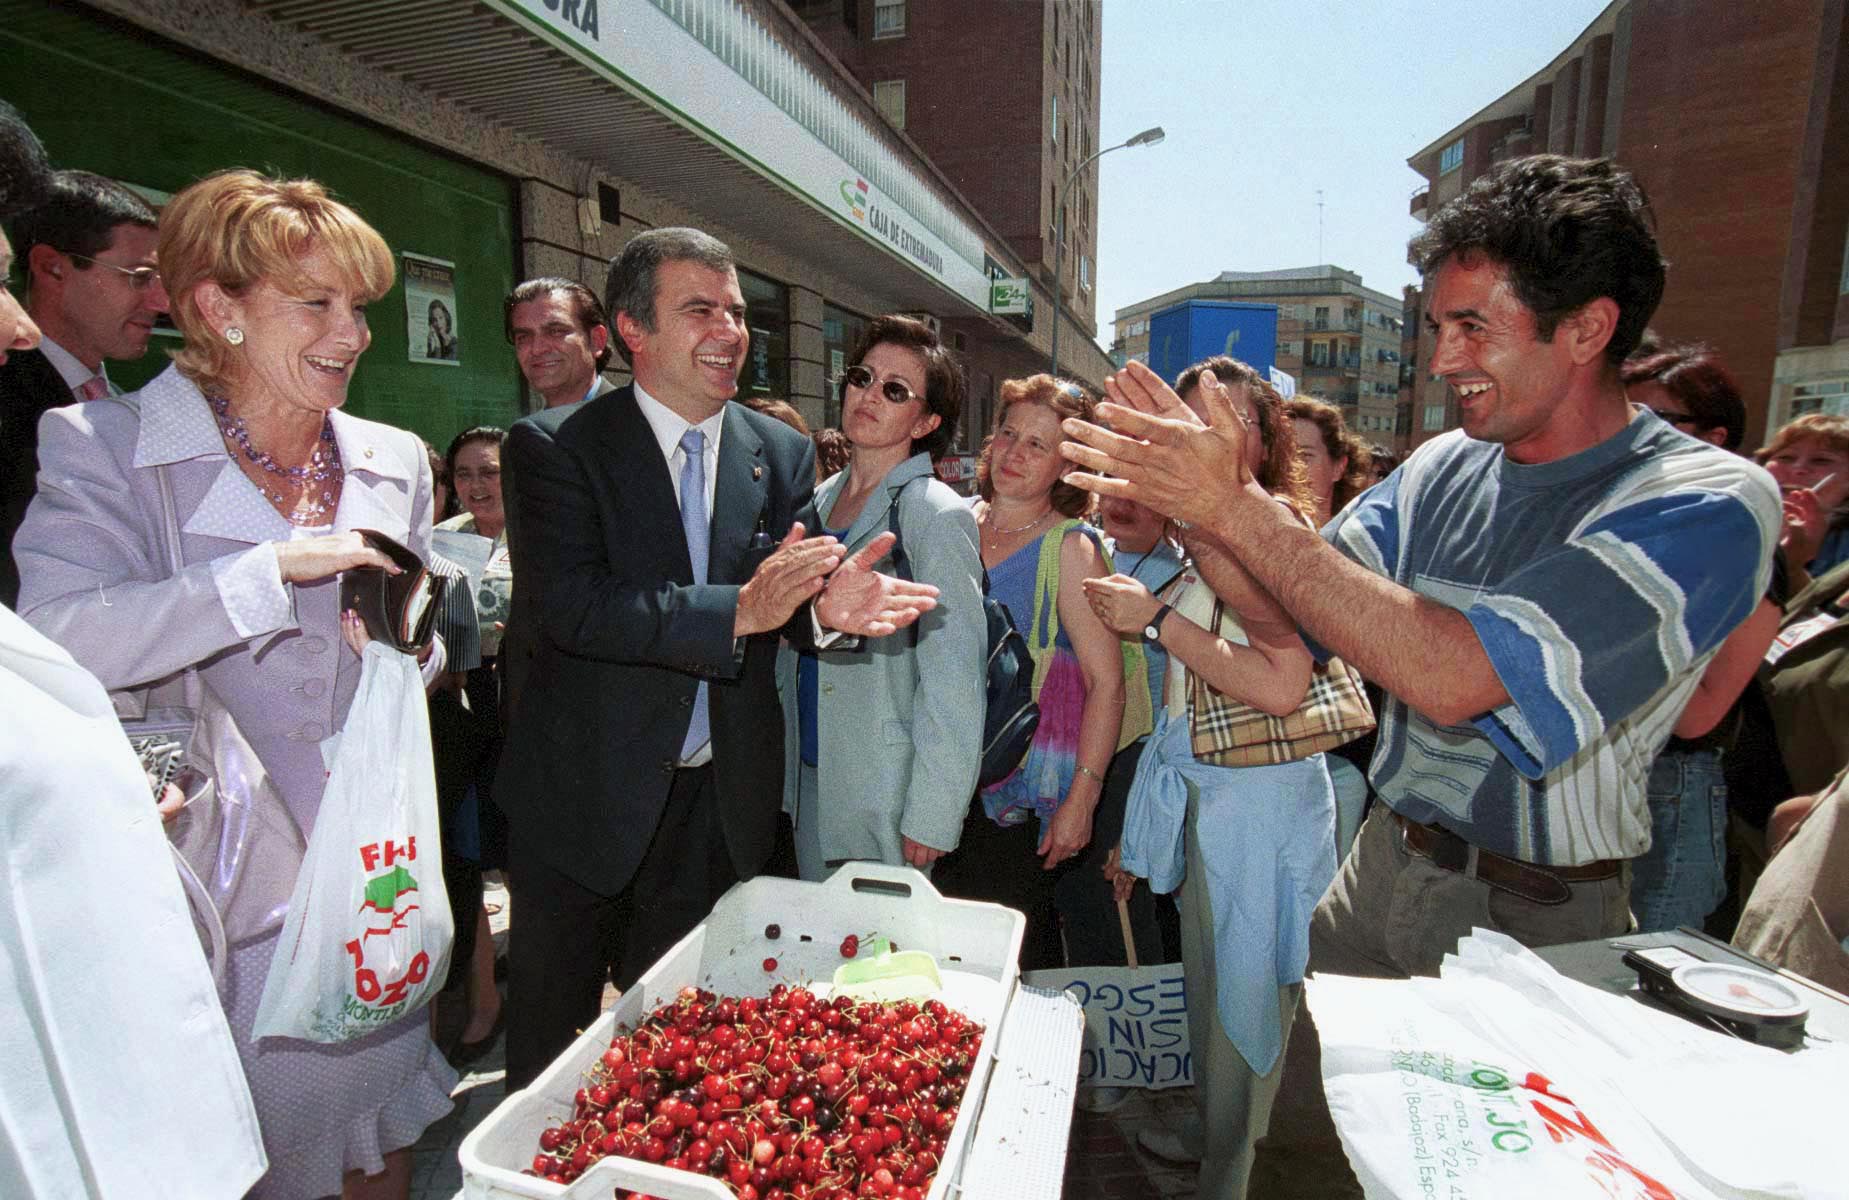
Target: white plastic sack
{"type": "Point", "coordinates": [1504, 1078]}
{"type": "Point", "coordinates": [367, 938]}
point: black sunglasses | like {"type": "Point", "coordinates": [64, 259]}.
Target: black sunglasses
{"type": "Point", "coordinates": [860, 376]}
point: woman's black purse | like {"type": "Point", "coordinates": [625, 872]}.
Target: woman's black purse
{"type": "Point", "coordinates": [399, 610]}
{"type": "Point", "coordinates": [1011, 715]}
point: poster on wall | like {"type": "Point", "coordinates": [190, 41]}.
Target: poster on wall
{"type": "Point", "coordinates": [430, 311]}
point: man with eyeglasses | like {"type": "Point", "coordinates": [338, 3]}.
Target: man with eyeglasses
{"type": "Point", "coordinates": [94, 292]}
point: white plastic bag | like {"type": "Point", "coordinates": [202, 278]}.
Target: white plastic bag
{"type": "Point", "coordinates": [367, 938]}
{"type": "Point", "coordinates": [1502, 1078]}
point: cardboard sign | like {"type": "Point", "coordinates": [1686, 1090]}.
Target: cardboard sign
{"type": "Point", "coordinates": [1136, 1024]}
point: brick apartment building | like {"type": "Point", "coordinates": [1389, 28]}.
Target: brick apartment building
{"type": "Point", "coordinates": [1339, 339]}
{"type": "Point", "coordinates": [1003, 99]}
{"type": "Point", "coordinates": [1735, 117]}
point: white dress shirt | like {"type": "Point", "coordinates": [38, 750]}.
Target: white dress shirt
{"type": "Point", "coordinates": [74, 373]}
{"type": "Point", "coordinates": [669, 427]}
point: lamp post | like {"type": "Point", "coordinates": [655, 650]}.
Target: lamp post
{"type": "Point", "coordinates": [1148, 137]}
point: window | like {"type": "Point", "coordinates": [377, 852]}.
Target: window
{"type": "Point", "coordinates": [1055, 129]}
{"type": "Point", "coordinates": [766, 372]}
{"type": "Point", "coordinates": [1322, 318]}
{"type": "Point", "coordinates": [888, 18]}
{"type": "Point", "coordinates": [1451, 157]}
{"type": "Point", "coordinates": [889, 98]}
{"type": "Point", "coordinates": [1823, 395]}
{"type": "Point", "coordinates": [1084, 273]}
{"type": "Point", "coordinates": [1844, 286]}
{"type": "Point", "coordinates": [1434, 417]}
{"type": "Point", "coordinates": [1319, 354]}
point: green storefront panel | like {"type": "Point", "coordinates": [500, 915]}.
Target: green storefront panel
{"type": "Point", "coordinates": [106, 98]}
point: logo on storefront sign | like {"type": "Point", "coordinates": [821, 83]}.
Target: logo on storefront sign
{"type": "Point", "coordinates": [579, 14]}
{"type": "Point", "coordinates": [854, 195]}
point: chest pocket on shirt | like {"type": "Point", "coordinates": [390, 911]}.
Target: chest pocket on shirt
{"type": "Point", "coordinates": [1453, 595]}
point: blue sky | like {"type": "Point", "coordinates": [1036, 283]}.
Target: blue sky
{"type": "Point", "coordinates": [1264, 102]}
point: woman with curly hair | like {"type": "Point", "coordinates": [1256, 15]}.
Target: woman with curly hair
{"type": "Point", "coordinates": [1251, 848]}
{"type": "Point", "coordinates": [1038, 554]}
{"type": "Point", "coordinates": [1339, 464]}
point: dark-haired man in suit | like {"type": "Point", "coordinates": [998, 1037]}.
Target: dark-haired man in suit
{"type": "Point", "coordinates": [94, 293]}
{"type": "Point", "coordinates": [657, 535]}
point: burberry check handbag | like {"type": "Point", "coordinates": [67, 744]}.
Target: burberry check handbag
{"type": "Point", "coordinates": [1230, 733]}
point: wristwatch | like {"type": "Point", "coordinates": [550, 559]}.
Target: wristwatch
{"type": "Point", "coordinates": [1152, 632]}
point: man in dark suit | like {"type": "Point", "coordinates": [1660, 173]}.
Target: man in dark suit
{"type": "Point", "coordinates": [95, 293]}
{"type": "Point", "coordinates": [643, 771]}
{"type": "Point", "coordinates": [561, 340]}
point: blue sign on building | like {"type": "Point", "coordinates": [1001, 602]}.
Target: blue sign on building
{"type": "Point", "coordinates": [1193, 330]}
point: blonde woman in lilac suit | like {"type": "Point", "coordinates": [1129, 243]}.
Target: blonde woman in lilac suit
{"type": "Point", "coordinates": [270, 281]}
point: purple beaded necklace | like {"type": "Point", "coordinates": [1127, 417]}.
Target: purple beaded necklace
{"type": "Point", "coordinates": [323, 466]}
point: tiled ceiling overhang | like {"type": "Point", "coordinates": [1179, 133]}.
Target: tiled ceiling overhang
{"type": "Point", "coordinates": [473, 57]}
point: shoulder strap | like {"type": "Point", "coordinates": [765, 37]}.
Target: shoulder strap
{"type": "Point", "coordinates": [901, 563]}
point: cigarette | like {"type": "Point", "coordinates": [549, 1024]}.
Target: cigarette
{"type": "Point", "coordinates": [1822, 483]}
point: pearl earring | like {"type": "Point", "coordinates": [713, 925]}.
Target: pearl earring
{"type": "Point", "coordinates": [235, 336]}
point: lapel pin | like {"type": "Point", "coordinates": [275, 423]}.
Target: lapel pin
{"type": "Point", "coordinates": [757, 473]}
{"type": "Point", "coordinates": [368, 452]}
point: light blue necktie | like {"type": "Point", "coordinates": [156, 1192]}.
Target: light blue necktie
{"type": "Point", "coordinates": [698, 528]}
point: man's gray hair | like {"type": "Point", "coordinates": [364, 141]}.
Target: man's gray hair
{"type": "Point", "coordinates": [633, 273]}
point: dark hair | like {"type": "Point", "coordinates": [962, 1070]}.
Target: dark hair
{"type": "Point", "coordinates": [1282, 472]}
{"type": "Point", "coordinates": [586, 310]}
{"type": "Point", "coordinates": [25, 172]}
{"type": "Point", "coordinates": [1339, 441]}
{"type": "Point", "coordinates": [480, 433]}
{"type": "Point", "coordinates": [79, 214]}
{"type": "Point", "coordinates": [944, 380]}
{"type": "Point", "coordinates": [779, 410]}
{"type": "Point", "coordinates": [631, 285]}
{"type": "Point", "coordinates": [832, 453]}
{"type": "Point", "coordinates": [1693, 374]}
{"type": "Point", "coordinates": [1066, 399]}
{"type": "Point", "coordinates": [1567, 230]}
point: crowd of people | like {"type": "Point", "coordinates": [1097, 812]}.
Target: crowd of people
{"type": "Point", "coordinates": [1574, 669]}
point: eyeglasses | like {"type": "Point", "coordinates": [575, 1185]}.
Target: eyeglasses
{"type": "Point", "coordinates": [139, 278]}
{"type": "Point", "coordinates": [895, 390]}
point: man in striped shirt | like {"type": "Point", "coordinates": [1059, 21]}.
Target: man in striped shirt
{"type": "Point", "coordinates": [1538, 593]}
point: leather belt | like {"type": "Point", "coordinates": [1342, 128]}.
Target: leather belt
{"type": "Point", "coordinates": [1531, 881]}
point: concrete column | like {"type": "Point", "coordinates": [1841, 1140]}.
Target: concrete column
{"type": "Point", "coordinates": [808, 360]}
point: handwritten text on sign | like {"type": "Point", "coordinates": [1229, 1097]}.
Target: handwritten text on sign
{"type": "Point", "coordinates": [1136, 1024]}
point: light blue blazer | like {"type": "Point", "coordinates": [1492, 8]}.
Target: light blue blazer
{"type": "Point", "coordinates": [899, 723]}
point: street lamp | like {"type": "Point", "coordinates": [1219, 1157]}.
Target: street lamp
{"type": "Point", "coordinates": [1148, 137]}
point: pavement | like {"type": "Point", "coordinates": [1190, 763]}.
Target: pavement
{"type": "Point", "coordinates": [1103, 1161]}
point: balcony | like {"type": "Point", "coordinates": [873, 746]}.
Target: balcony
{"type": "Point", "coordinates": [1420, 200]}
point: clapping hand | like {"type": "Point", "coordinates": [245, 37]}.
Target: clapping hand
{"type": "Point", "coordinates": [1164, 456]}
{"type": "Point", "coordinates": [792, 575]}
{"type": "Point", "coordinates": [862, 601]}
{"type": "Point", "coordinates": [1122, 603]}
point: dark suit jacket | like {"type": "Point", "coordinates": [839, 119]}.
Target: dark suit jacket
{"type": "Point", "coordinates": [622, 636]}
{"type": "Point", "coordinates": [29, 388]}
{"type": "Point", "coordinates": [515, 658]}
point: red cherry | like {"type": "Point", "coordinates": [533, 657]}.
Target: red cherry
{"type": "Point", "coordinates": [850, 946]}
{"type": "Point", "coordinates": [770, 964]}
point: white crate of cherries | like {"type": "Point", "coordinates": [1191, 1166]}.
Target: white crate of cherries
{"type": "Point", "coordinates": [706, 1082]}
{"type": "Point", "coordinates": [786, 1095]}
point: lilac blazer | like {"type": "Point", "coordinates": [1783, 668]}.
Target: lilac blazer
{"type": "Point", "coordinates": [95, 574]}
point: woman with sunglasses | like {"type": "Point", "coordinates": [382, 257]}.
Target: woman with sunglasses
{"type": "Point", "coordinates": [881, 746]}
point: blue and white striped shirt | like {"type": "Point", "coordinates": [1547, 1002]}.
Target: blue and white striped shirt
{"type": "Point", "coordinates": [1599, 585]}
